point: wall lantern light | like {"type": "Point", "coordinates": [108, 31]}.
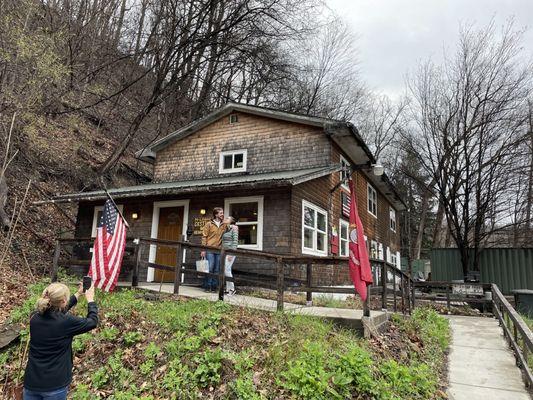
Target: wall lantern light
{"type": "Point", "coordinates": [377, 169]}
{"type": "Point", "coordinates": [135, 216]}
{"type": "Point", "coordinates": [202, 211]}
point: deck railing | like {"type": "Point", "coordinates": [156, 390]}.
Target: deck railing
{"type": "Point", "coordinates": [287, 273]}
{"type": "Point", "coordinates": [516, 331]}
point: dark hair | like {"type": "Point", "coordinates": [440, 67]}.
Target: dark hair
{"type": "Point", "coordinates": [216, 210]}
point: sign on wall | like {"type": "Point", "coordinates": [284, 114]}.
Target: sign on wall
{"type": "Point", "coordinates": [198, 224]}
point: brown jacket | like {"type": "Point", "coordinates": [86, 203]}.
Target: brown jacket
{"type": "Point", "coordinates": [212, 234]}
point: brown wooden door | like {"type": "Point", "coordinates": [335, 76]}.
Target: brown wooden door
{"type": "Point", "coordinates": [170, 228]}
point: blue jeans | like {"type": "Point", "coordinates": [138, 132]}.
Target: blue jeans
{"type": "Point", "coordinates": [59, 394]}
{"type": "Point", "coordinates": [214, 267]}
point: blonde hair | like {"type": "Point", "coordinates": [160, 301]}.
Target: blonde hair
{"type": "Point", "coordinates": [53, 298]}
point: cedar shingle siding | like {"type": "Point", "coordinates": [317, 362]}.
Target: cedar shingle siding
{"type": "Point", "coordinates": [271, 145]}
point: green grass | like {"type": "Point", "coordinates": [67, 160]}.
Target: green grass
{"type": "Point", "coordinates": [196, 349]}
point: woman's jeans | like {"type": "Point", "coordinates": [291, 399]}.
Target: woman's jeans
{"type": "Point", "coordinates": [59, 394]}
{"type": "Point", "coordinates": [230, 286]}
{"type": "Point", "coordinates": [214, 267]}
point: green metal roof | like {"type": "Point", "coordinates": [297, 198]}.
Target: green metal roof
{"type": "Point", "coordinates": [279, 178]}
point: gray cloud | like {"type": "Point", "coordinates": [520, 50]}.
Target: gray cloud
{"type": "Point", "coordinates": [395, 35]}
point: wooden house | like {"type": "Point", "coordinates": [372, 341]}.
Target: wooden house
{"type": "Point", "coordinates": [279, 173]}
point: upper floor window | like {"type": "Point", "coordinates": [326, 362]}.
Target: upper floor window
{"type": "Point", "coordinates": [232, 161]}
{"type": "Point", "coordinates": [372, 201]}
{"type": "Point", "coordinates": [314, 230]}
{"type": "Point", "coordinates": [233, 118]}
{"type": "Point", "coordinates": [344, 174]}
{"type": "Point", "coordinates": [392, 217]}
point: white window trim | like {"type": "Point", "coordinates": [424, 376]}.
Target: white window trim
{"type": "Point", "coordinates": [95, 216]}
{"type": "Point", "coordinates": [344, 185]}
{"type": "Point", "coordinates": [221, 169]}
{"type": "Point", "coordinates": [158, 205]}
{"type": "Point", "coordinates": [392, 210]}
{"type": "Point", "coordinates": [306, 250]}
{"type": "Point", "coordinates": [347, 224]}
{"type": "Point", "coordinates": [368, 188]}
{"type": "Point", "coordinates": [250, 199]}
{"type": "Point", "coordinates": [398, 260]}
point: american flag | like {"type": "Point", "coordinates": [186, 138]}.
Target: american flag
{"type": "Point", "coordinates": [345, 199]}
{"type": "Point", "coordinates": [108, 248]}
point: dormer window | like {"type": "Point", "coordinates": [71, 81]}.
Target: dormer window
{"type": "Point", "coordinates": [232, 161]}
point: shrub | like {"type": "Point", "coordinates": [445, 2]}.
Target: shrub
{"type": "Point", "coordinates": [132, 338]}
{"type": "Point", "coordinates": [208, 366]}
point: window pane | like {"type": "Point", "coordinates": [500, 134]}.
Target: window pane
{"type": "Point", "coordinates": [308, 238]}
{"type": "Point", "coordinates": [309, 217]}
{"type": "Point", "coordinates": [99, 217]}
{"type": "Point", "coordinates": [344, 231]}
{"type": "Point", "coordinates": [244, 212]}
{"type": "Point", "coordinates": [344, 248]}
{"type": "Point", "coordinates": [227, 161]}
{"type": "Point", "coordinates": [321, 221]}
{"type": "Point", "coordinates": [248, 234]}
{"type": "Point", "coordinates": [320, 241]}
{"type": "Point", "coordinates": [238, 160]}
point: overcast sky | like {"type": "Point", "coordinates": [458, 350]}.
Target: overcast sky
{"type": "Point", "coordinates": [394, 35]}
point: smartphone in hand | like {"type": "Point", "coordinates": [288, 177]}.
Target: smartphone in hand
{"type": "Point", "coordinates": [87, 282]}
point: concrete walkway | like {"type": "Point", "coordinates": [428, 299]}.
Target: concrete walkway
{"type": "Point", "coordinates": [481, 365]}
{"type": "Point", "coordinates": [348, 317]}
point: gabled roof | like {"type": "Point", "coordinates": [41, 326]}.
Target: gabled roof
{"type": "Point", "coordinates": [281, 178]}
{"type": "Point", "coordinates": [345, 134]}
{"type": "Point", "coordinates": [148, 154]}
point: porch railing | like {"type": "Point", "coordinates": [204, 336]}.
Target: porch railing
{"type": "Point", "coordinates": [394, 289]}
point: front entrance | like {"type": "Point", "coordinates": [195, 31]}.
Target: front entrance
{"type": "Point", "coordinates": [170, 228]}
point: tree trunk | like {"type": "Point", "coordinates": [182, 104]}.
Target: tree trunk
{"type": "Point", "coordinates": [422, 224]}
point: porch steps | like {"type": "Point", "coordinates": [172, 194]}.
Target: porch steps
{"type": "Point", "coordinates": [349, 318]}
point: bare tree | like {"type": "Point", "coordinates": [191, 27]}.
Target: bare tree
{"type": "Point", "coordinates": [469, 116]}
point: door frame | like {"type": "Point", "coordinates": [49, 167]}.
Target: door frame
{"type": "Point", "coordinates": [158, 205]}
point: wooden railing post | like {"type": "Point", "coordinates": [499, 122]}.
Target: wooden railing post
{"type": "Point", "coordinates": [384, 285]}
{"type": "Point", "coordinates": [394, 289]}
{"type": "Point", "coordinates": [55, 262]}
{"type": "Point", "coordinates": [412, 293]}
{"type": "Point", "coordinates": [448, 296]}
{"type": "Point", "coordinates": [177, 273]}
{"type": "Point", "coordinates": [402, 289]}
{"type": "Point", "coordinates": [221, 275]}
{"type": "Point", "coordinates": [309, 299]}
{"type": "Point", "coordinates": [366, 303]}
{"type": "Point", "coordinates": [135, 272]}
{"type": "Point", "coordinates": [280, 283]}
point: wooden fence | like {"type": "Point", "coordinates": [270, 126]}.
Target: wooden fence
{"type": "Point", "coordinates": [393, 286]}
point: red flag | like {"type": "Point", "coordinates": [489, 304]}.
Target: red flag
{"type": "Point", "coordinates": [108, 248]}
{"type": "Point", "coordinates": [359, 264]}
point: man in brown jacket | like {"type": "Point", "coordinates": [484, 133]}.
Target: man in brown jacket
{"type": "Point", "coordinates": [212, 236]}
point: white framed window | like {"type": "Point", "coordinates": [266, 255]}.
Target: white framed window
{"type": "Point", "coordinates": [392, 218]}
{"type": "Point", "coordinates": [381, 255]}
{"type": "Point", "coordinates": [314, 229]}
{"type": "Point", "coordinates": [393, 259]}
{"type": "Point", "coordinates": [248, 211]}
{"type": "Point", "coordinates": [372, 203]}
{"type": "Point", "coordinates": [344, 228]}
{"type": "Point", "coordinates": [398, 260]}
{"type": "Point", "coordinates": [373, 249]}
{"type": "Point", "coordinates": [232, 161]}
{"type": "Point", "coordinates": [98, 211]}
{"type": "Point", "coordinates": [344, 174]}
